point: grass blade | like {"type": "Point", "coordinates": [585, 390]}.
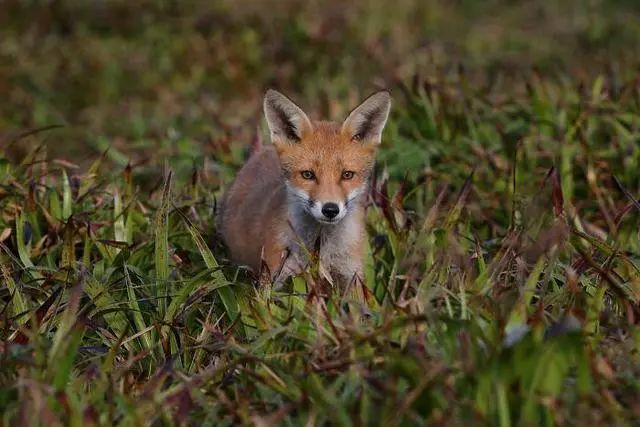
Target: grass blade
{"type": "Point", "coordinates": [226, 293]}
{"type": "Point", "coordinates": [161, 229]}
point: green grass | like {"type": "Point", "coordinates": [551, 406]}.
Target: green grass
{"type": "Point", "coordinates": [503, 271]}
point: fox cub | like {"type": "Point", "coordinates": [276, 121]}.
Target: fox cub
{"type": "Point", "coordinates": [305, 192]}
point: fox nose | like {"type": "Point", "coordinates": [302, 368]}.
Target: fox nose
{"type": "Point", "coordinates": [330, 210]}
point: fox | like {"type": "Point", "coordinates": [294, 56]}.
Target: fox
{"type": "Point", "coordinates": [305, 192]}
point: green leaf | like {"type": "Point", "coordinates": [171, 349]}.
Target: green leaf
{"type": "Point", "coordinates": [138, 319]}
{"type": "Point", "coordinates": [66, 340]}
{"type": "Point", "coordinates": [119, 230]}
{"type": "Point", "coordinates": [102, 298]}
{"type": "Point", "coordinates": [161, 230]}
{"type": "Point", "coordinates": [67, 198]}
{"type": "Point", "coordinates": [18, 302]}
{"type": "Point", "coordinates": [23, 241]}
{"type": "Point", "coordinates": [219, 282]}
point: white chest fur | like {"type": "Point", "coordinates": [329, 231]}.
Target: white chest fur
{"type": "Point", "coordinates": [336, 244]}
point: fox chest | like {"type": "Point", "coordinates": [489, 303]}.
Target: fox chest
{"type": "Point", "coordinates": [337, 248]}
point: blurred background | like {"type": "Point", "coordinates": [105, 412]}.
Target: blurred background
{"type": "Point", "coordinates": [180, 81]}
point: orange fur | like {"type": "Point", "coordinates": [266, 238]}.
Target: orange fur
{"type": "Point", "coordinates": [273, 208]}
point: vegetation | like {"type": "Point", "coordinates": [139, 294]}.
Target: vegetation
{"type": "Point", "coordinates": [503, 274]}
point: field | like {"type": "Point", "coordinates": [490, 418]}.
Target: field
{"type": "Point", "coordinates": [503, 266]}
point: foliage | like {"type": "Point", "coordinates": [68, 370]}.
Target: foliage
{"type": "Point", "coordinates": [503, 273]}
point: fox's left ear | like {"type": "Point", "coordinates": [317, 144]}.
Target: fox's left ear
{"type": "Point", "coordinates": [365, 123]}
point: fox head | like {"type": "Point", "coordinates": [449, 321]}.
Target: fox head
{"type": "Point", "coordinates": [326, 165]}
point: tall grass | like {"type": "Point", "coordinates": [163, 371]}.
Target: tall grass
{"type": "Point", "coordinates": [503, 222]}
{"type": "Point", "coordinates": [503, 279]}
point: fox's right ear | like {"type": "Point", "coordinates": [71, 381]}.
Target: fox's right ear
{"type": "Point", "coordinates": [287, 122]}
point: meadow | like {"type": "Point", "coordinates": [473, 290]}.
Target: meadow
{"type": "Point", "coordinates": [503, 266]}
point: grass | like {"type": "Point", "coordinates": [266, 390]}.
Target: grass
{"type": "Point", "coordinates": [503, 270]}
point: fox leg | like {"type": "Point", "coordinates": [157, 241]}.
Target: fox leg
{"type": "Point", "coordinates": [290, 267]}
{"type": "Point", "coordinates": [282, 264]}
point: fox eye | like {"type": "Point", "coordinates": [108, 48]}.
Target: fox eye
{"type": "Point", "coordinates": [308, 174]}
{"type": "Point", "coordinates": [347, 175]}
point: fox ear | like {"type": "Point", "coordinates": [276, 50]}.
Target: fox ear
{"type": "Point", "coordinates": [287, 122]}
{"type": "Point", "coordinates": [366, 122]}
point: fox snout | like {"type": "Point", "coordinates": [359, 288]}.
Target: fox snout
{"type": "Point", "coordinates": [327, 212]}
{"type": "Point", "coordinates": [330, 210]}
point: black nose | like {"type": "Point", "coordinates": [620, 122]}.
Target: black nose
{"type": "Point", "coordinates": [330, 210]}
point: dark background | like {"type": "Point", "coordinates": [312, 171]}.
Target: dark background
{"type": "Point", "coordinates": [182, 80]}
